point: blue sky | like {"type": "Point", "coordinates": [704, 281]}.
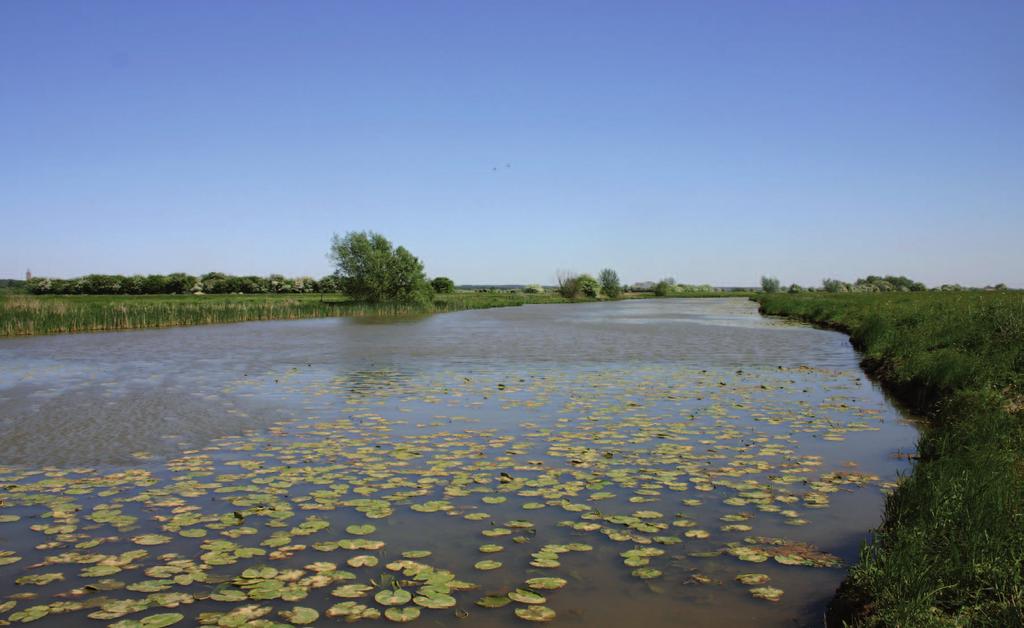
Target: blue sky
{"type": "Point", "coordinates": [713, 141]}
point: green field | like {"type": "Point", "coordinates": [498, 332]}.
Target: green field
{"type": "Point", "coordinates": [951, 549]}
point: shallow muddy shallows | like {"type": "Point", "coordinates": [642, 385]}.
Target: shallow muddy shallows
{"type": "Point", "coordinates": [656, 463]}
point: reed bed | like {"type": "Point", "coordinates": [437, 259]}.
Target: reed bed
{"type": "Point", "coordinates": [28, 315]}
{"type": "Point", "coordinates": [23, 315]}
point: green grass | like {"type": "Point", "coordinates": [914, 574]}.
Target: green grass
{"type": "Point", "coordinates": [950, 551]}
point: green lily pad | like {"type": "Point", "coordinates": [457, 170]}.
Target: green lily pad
{"type": "Point", "coordinates": [402, 615]}
{"type": "Point", "coordinates": [434, 600]}
{"type": "Point", "coordinates": [363, 560]}
{"type": "Point", "coordinates": [526, 597]}
{"type": "Point", "coordinates": [535, 613]}
{"type": "Point", "coordinates": [152, 621]}
{"type": "Point", "coordinates": [493, 601]}
{"type": "Point", "coordinates": [646, 573]}
{"type": "Point", "coordinates": [352, 590]}
{"type": "Point", "coordinates": [395, 597]}
{"type": "Point", "coordinates": [546, 583]}
{"type": "Point", "coordinates": [301, 615]}
{"type": "Point", "coordinates": [151, 539]}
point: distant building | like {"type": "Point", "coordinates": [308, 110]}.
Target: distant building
{"type": "Point", "coordinates": [28, 275]}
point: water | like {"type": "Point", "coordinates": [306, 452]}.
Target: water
{"type": "Point", "coordinates": [572, 413]}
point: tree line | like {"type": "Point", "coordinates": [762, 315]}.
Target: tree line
{"type": "Point", "coordinates": [871, 283]}
{"type": "Point", "coordinates": [367, 268]}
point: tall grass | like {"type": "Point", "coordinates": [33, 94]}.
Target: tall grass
{"type": "Point", "coordinates": [950, 551]}
{"type": "Point", "coordinates": [26, 315]}
{"type": "Point", "coordinates": [22, 315]}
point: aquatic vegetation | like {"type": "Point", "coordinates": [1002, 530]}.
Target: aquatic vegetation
{"type": "Point", "coordinates": [374, 512]}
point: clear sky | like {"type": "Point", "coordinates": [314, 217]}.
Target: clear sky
{"type": "Point", "coordinates": [500, 141]}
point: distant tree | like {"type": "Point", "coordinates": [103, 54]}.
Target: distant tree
{"type": "Point", "coordinates": [179, 283]}
{"type": "Point", "coordinates": [833, 285]}
{"type": "Point", "coordinates": [442, 285]}
{"type": "Point", "coordinates": [889, 283]}
{"type": "Point", "coordinates": [154, 284]}
{"type": "Point", "coordinates": [770, 284]}
{"type": "Point", "coordinates": [533, 288]}
{"type": "Point", "coordinates": [610, 284]}
{"type": "Point", "coordinates": [588, 286]}
{"type": "Point", "coordinates": [304, 284]}
{"type": "Point", "coordinates": [370, 269]}
{"type": "Point", "coordinates": [794, 288]}
{"type": "Point", "coordinates": [665, 287]}
{"type": "Point", "coordinates": [329, 284]}
{"type": "Point", "coordinates": [215, 283]}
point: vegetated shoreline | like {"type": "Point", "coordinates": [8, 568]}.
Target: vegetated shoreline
{"type": "Point", "coordinates": [950, 549]}
{"type": "Point", "coordinates": [33, 315]}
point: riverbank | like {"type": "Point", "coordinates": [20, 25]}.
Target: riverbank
{"type": "Point", "coordinates": [27, 315]}
{"type": "Point", "coordinates": [950, 550]}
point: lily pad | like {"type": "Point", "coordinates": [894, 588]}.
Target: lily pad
{"type": "Point", "coordinates": [767, 593]}
{"type": "Point", "coordinates": [535, 613]}
{"type": "Point", "coordinates": [402, 615]}
{"type": "Point", "coordinates": [546, 583]}
{"type": "Point", "coordinates": [493, 601]}
{"type": "Point", "coordinates": [393, 597]}
{"type": "Point", "coordinates": [526, 597]}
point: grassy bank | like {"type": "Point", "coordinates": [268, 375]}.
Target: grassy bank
{"type": "Point", "coordinates": [951, 548]}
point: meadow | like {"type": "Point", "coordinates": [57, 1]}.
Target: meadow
{"type": "Point", "coordinates": [951, 549]}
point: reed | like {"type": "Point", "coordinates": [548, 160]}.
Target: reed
{"type": "Point", "coordinates": [24, 315]}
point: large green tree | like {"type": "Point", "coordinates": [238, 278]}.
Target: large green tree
{"type": "Point", "coordinates": [370, 269]}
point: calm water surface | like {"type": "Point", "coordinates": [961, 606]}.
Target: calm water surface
{"type": "Point", "coordinates": [693, 431]}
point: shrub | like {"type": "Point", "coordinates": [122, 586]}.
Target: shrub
{"type": "Point", "coordinates": [665, 287]}
{"type": "Point", "coordinates": [442, 285]}
{"type": "Point", "coordinates": [588, 286]}
{"type": "Point", "coordinates": [769, 284]}
{"type": "Point", "coordinates": [568, 284]}
{"type": "Point", "coordinates": [610, 285]}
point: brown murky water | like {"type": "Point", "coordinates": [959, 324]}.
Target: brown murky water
{"type": "Point", "coordinates": [146, 471]}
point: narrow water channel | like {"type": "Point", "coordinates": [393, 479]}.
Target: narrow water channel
{"type": "Point", "coordinates": [655, 463]}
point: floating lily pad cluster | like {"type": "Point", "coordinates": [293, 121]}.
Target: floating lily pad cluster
{"type": "Point", "coordinates": [295, 523]}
